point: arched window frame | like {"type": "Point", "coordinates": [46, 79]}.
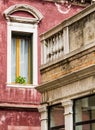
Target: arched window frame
{"type": "Point", "coordinates": [26, 25]}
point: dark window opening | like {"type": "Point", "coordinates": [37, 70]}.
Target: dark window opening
{"type": "Point", "coordinates": [21, 56]}
{"type": "Point", "coordinates": [84, 113]}
{"type": "Point", "coordinates": [56, 117]}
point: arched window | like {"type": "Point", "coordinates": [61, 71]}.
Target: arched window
{"type": "Point", "coordinates": [22, 21]}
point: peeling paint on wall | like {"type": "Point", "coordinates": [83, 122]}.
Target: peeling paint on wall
{"type": "Point", "coordinates": [19, 119]}
{"type": "Point", "coordinates": [63, 8]}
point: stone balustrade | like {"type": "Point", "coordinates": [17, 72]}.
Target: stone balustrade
{"type": "Point", "coordinates": [72, 34]}
{"type": "Point", "coordinates": [53, 47]}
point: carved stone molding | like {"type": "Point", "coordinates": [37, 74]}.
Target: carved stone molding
{"type": "Point", "coordinates": [67, 103]}
{"type": "Point", "coordinates": [37, 16]}
{"type": "Point", "coordinates": [68, 107]}
{"type": "Point", "coordinates": [44, 112]}
{"type": "Point", "coordinates": [42, 108]}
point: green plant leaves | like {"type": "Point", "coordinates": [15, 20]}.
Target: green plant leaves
{"type": "Point", "coordinates": [20, 80]}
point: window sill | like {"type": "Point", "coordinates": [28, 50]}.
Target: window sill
{"type": "Point", "coordinates": [21, 85]}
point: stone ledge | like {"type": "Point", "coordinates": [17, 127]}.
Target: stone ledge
{"type": "Point", "coordinates": [17, 106]}
{"type": "Point", "coordinates": [67, 79]}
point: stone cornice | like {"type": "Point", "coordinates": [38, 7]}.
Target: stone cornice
{"type": "Point", "coordinates": [67, 79]}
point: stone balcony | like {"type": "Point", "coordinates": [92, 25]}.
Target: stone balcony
{"type": "Point", "coordinates": [69, 46]}
{"type": "Point", "coordinates": [68, 51]}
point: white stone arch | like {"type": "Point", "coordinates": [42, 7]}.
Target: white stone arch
{"type": "Point", "coordinates": [26, 8]}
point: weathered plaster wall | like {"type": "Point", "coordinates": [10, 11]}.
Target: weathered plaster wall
{"type": "Point", "coordinates": [19, 96]}
{"type": "Point", "coordinates": [11, 119]}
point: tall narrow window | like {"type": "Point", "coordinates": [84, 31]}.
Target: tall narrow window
{"type": "Point", "coordinates": [22, 45]}
{"type": "Point", "coordinates": [21, 57]}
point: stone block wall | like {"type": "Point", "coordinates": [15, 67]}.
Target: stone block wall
{"type": "Point", "coordinates": [82, 32]}
{"type": "Point", "coordinates": [69, 65]}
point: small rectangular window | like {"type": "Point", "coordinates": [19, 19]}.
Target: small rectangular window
{"type": "Point", "coordinates": [21, 57]}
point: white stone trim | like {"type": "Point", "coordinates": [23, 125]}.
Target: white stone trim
{"type": "Point", "coordinates": [66, 40]}
{"type": "Point", "coordinates": [68, 107]}
{"type": "Point", "coordinates": [11, 26]}
{"type": "Point", "coordinates": [44, 116]}
{"type": "Point", "coordinates": [26, 8]}
{"type": "Point", "coordinates": [22, 86]}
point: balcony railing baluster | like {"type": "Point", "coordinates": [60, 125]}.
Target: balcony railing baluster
{"type": "Point", "coordinates": [53, 48]}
